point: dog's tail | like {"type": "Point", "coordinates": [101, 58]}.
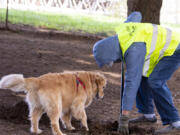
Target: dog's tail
{"type": "Point", "coordinates": [17, 83]}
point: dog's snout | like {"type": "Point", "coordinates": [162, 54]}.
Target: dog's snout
{"type": "Point", "coordinates": [99, 95]}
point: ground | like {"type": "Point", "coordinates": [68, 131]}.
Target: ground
{"type": "Point", "coordinates": [34, 54]}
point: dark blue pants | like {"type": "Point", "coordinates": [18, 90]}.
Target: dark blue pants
{"type": "Point", "coordinates": [155, 90]}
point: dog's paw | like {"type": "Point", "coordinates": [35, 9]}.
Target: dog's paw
{"type": "Point", "coordinates": [87, 129]}
{"type": "Point", "coordinates": [39, 131]}
{"type": "Point", "coordinates": [71, 128]}
{"type": "Point", "coordinates": [32, 130]}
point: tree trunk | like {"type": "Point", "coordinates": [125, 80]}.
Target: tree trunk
{"type": "Point", "coordinates": [150, 9]}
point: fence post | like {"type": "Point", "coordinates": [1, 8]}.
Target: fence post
{"type": "Point", "coordinates": [7, 15]}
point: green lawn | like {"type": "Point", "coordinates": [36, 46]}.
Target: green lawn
{"type": "Point", "coordinates": [100, 25]}
{"type": "Point", "coordinates": [68, 22]}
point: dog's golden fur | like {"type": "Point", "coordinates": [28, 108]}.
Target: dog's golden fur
{"type": "Point", "coordinates": [58, 95]}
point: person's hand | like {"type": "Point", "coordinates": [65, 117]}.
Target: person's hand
{"type": "Point", "coordinates": [123, 125]}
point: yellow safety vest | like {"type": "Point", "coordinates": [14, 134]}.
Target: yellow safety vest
{"type": "Point", "coordinates": [159, 41]}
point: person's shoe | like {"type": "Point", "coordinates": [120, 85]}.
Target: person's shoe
{"type": "Point", "coordinates": [169, 129]}
{"type": "Point", "coordinates": [142, 119]}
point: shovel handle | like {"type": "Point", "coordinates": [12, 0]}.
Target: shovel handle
{"type": "Point", "coordinates": [122, 86]}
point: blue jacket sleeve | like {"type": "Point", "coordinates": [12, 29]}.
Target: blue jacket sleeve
{"type": "Point", "coordinates": [134, 59]}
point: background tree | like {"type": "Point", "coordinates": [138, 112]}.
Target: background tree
{"type": "Point", "coordinates": [150, 9]}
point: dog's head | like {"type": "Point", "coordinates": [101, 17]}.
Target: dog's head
{"type": "Point", "coordinates": [98, 84]}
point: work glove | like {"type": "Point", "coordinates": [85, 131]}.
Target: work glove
{"type": "Point", "coordinates": [123, 125]}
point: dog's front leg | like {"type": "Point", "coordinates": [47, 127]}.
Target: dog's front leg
{"type": "Point", "coordinates": [66, 118]}
{"type": "Point", "coordinates": [84, 119]}
{"type": "Point", "coordinates": [80, 115]}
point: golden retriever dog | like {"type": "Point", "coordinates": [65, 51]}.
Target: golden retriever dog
{"type": "Point", "coordinates": [60, 95]}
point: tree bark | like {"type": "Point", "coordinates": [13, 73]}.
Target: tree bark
{"type": "Point", "coordinates": [7, 9]}
{"type": "Point", "coordinates": [150, 9]}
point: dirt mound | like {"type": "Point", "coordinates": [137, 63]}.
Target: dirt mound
{"type": "Point", "coordinates": [17, 113]}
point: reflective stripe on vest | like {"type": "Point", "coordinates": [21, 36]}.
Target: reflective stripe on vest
{"type": "Point", "coordinates": [168, 41]}
{"type": "Point", "coordinates": [152, 48]}
{"type": "Point", "coordinates": [159, 41]}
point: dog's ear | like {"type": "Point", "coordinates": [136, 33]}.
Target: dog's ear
{"type": "Point", "coordinates": [100, 81]}
{"type": "Point", "coordinates": [98, 78]}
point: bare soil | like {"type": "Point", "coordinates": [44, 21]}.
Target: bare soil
{"type": "Point", "coordinates": [34, 54]}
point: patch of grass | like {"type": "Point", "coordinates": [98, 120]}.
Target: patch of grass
{"type": "Point", "coordinates": [68, 22]}
{"type": "Point", "coordinates": [101, 25]}
{"type": "Point", "coordinates": [2, 14]}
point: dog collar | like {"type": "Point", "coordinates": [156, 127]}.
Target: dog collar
{"type": "Point", "coordinates": [78, 81]}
